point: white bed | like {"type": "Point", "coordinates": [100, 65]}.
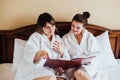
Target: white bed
{"type": "Point", "coordinates": [12, 45]}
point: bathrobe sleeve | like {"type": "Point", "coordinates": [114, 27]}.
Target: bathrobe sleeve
{"type": "Point", "coordinates": [93, 50]}
{"type": "Point", "coordinates": [66, 55]}
{"type": "Point", "coordinates": [67, 45]}
{"type": "Point", "coordinates": [31, 47]}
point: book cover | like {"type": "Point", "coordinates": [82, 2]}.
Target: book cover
{"type": "Point", "coordinates": [66, 64]}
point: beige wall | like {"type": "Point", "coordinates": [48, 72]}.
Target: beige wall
{"type": "Point", "coordinates": [17, 13]}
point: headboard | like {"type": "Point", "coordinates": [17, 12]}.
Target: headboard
{"type": "Point", "coordinates": [7, 38]}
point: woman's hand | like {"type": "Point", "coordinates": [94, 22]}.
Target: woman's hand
{"type": "Point", "coordinates": [58, 47]}
{"type": "Point", "coordinates": [59, 70]}
{"type": "Point", "coordinates": [41, 54]}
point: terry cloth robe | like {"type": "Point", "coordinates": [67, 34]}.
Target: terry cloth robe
{"type": "Point", "coordinates": [27, 70]}
{"type": "Point", "coordinates": [87, 47]}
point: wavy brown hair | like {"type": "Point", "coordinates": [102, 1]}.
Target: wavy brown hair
{"type": "Point", "coordinates": [42, 20]}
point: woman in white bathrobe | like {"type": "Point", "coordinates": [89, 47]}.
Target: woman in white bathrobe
{"type": "Point", "coordinates": [41, 45]}
{"type": "Point", "coordinates": [81, 43]}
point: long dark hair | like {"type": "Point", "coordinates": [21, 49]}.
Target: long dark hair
{"type": "Point", "coordinates": [42, 20]}
{"type": "Point", "coordinates": [82, 18]}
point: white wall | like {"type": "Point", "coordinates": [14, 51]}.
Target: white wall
{"type": "Point", "coordinates": [17, 13]}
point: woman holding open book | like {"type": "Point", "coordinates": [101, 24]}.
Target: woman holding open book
{"type": "Point", "coordinates": [81, 43]}
{"type": "Point", "coordinates": [42, 44]}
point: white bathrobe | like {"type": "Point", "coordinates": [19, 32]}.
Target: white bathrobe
{"type": "Point", "coordinates": [87, 47]}
{"type": "Point", "coordinates": [27, 70]}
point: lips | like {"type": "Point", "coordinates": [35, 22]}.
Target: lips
{"type": "Point", "coordinates": [74, 31]}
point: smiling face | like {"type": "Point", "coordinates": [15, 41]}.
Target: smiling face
{"type": "Point", "coordinates": [76, 27]}
{"type": "Point", "coordinates": [49, 29]}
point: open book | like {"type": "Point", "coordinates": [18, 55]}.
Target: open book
{"type": "Point", "coordinates": [66, 64]}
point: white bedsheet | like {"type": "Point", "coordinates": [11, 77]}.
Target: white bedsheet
{"type": "Point", "coordinates": [6, 72]}
{"type": "Point", "coordinates": [113, 73]}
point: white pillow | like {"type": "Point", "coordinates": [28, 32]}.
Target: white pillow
{"type": "Point", "coordinates": [19, 45]}
{"type": "Point", "coordinates": [108, 58]}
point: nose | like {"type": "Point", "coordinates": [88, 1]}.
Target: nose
{"type": "Point", "coordinates": [74, 29]}
{"type": "Point", "coordinates": [51, 28]}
